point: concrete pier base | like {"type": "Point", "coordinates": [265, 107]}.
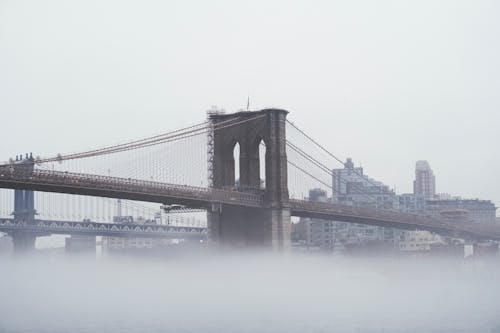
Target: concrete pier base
{"type": "Point", "coordinates": [247, 228]}
{"type": "Point", "coordinates": [23, 242]}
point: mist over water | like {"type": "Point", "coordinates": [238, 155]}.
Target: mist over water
{"type": "Point", "coordinates": [248, 293]}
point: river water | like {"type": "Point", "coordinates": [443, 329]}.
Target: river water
{"type": "Point", "coordinates": [249, 293]}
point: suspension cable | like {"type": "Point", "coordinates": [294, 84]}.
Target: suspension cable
{"type": "Point", "coordinates": [309, 174]}
{"type": "Point", "coordinates": [317, 144]}
{"type": "Point", "coordinates": [309, 157]}
{"type": "Point", "coordinates": [151, 141]}
{"type": "Point", "coordinates": [323, 168]}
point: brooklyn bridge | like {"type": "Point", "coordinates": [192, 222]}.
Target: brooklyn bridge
{"type": "Point", "coordinates": [249, 171]}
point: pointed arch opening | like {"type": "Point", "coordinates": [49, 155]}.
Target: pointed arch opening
{"type": "Point", "coordinates": [262, 164]}
{"type": "Point", "coordinates": [236, 157]}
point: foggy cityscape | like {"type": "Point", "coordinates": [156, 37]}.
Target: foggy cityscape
{"type": "Point", "coordinates": [269, 166]}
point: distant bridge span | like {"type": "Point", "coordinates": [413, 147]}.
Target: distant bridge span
{"type": "Point", "coordinates": [49, 227]}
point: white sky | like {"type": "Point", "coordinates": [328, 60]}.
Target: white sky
{"type": "Point", "coordinates": [385, 82]}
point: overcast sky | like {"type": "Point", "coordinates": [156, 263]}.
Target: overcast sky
{"type": "Point", "coordinates": [384, 82]}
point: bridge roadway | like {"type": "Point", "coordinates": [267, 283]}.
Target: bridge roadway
{"type": "Point", "coordinates": [199, 197]}
{"type": "Point", "coordinates": [49, 227]}
{"type": "Point", "coordinates": [123, 188]}
{"type": "Point", "coordinates": [394, 219]}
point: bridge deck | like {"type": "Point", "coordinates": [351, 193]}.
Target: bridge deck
{"type": "Point", "coordinates": [393, 219]}
{"type": "Point", "coordinates": [123, 188]}
{"type": "Point", "coordinates": [199, 197]}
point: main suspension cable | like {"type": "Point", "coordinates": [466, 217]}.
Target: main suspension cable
{"type": "Point", "coordinates": [176, 135]}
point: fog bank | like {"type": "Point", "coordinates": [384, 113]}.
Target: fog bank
{"type": "Point", "coordinates": [248, 294]}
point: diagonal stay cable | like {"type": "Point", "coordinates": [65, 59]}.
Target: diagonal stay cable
{"type": "Point", "coordinates": [317, 144]}
{"type": "Point", "coordinates": [324, 169]}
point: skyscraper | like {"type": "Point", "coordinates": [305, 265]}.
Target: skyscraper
{"type": "Point", "coordinates": [425, 182]}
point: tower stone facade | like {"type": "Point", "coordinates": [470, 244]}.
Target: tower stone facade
{"type": "Point", "coordinates": [243, 226]}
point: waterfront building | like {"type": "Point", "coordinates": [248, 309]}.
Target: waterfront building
{"type": "Point", "coordinates": [419, 241]}
{"type": "Point", "coordinates": [474, 210]}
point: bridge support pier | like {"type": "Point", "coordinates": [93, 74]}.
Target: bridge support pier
{"type": "Point", "coordinates": [24, 210]}
{"type": "Point", "coordinates": [23, 242]}
{"type": "Point", "coordinates": [244, 227]}
{"type": "Point", "coordinates": [213, 225]}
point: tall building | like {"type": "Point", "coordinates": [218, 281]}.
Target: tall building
{"type": "Point", "coordinates": [352, 187]}
{"type": "Point", "coordinates": [425, 182]}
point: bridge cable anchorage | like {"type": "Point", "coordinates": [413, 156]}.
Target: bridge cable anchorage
{"type": "Point", "coordinates": [322, 167]}
{"type": "Point", "coordinates": [317, 144]}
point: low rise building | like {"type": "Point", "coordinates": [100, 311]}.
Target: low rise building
{"type": "Point", "coordinates": [475, 210]}
{"type": "Point", "coordinates": [419, 241]}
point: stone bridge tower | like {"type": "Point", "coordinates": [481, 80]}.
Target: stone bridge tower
{"type": "Point", "coordinates": [267, 227]}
